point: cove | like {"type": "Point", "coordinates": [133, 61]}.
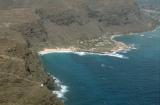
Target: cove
{"type": "Point", "coordinates": [106, 80]}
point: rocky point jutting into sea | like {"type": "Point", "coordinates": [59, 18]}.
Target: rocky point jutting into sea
{"type": "Point", "coordinates": [29, 26]}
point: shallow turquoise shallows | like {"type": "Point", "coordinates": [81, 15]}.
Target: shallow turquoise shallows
{"type": "Point", "coordinates": [105, 80]}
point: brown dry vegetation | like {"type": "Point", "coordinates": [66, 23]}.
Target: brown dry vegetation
{"type": "Point", "coordinates": [27, 26]}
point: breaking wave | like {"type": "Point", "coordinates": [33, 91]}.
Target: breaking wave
{"type": "Point", "coordinates": [130, 47]}
{"type": "Point", "coordinates": [61, 89]}
{"type": "Point", "coordinates": [113, 54]}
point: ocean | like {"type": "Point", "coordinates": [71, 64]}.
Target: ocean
{"type": "Point", "coordinates": [126, 78]}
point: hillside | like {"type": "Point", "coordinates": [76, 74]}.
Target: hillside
{"type": "Point", "coordinates": [28, 26]}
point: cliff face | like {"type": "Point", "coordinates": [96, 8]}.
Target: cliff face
{"type": "Point", "coordinates": [21, 73]}
{"type": "Point", "coordinates": [27, 26]}
{"type": "Point", "coordinates": [21, 76]}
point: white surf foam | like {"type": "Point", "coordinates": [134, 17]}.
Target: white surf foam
{"type": "Point", "coordinates": [154, 30]}
{"type": "Point", "coordinates": [80, 53]}
{"type": "Point", "coordinates": [117, 55]}
{"type": "Point", "coordinates": [103, 65]}
{"type": "Point", "coordinates": [47, 52]}
{"type": "Point", "coordinates": [62, 89]}
{"type": "Point", "coordinates": [113, 54]}
{"type": "Point", "coordinates": [130, 47]}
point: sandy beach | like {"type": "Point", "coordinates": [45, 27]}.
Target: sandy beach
{"type": "Point", "coordinates": [119, 47]}
{"type": "Point", "coordinates": [57, 50]}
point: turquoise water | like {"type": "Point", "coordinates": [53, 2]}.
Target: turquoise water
{"type": "Point", "coordinates": [106, 80]}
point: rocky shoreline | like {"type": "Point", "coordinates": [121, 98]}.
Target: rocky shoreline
{"type": "Point", "coordinates": [119, 47]}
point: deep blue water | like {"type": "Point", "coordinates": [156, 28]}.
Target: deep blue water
{"type": "Point", "coordinates": [105, 80]}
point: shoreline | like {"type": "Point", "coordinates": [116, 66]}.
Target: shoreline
{"type": "Point", "coordinates": [119, 47]}
{"type": "Point", "coordinates": [63, 89]}
{"type": "Point", "coordinates": [114, 52]}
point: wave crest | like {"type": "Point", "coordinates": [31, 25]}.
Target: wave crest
{"type": "Point", "coordinates": [113, 54]}
{"type": "Point", "coordinates": [62, 89]}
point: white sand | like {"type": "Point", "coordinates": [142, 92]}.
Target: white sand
{"type": "Point", "coordinates": [57, 50]}
{"type": "Point", "coordinates": [72, 50]}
